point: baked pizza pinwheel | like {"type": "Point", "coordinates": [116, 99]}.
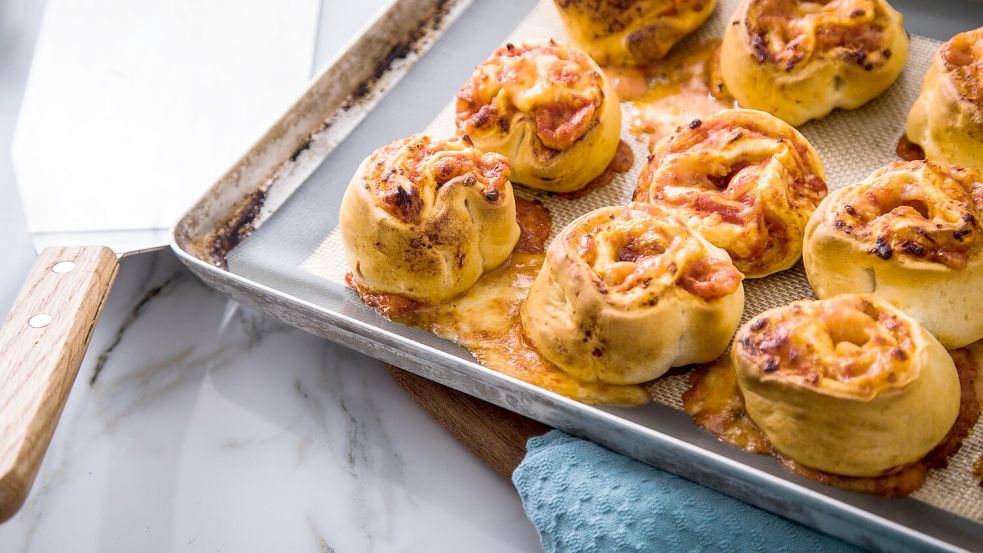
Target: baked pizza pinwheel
{"type": "Point", "coordinates": [799, 60]}
{"type": "Point", "coordinates": [744, 180]}
{"type": "Point", "coordinates": [631, 32]}
{"type": "Point", "coordinates": [947, 119]}
{"type": "Point", "coordinates": [546, 106]}
{"type": "Point", "coordinates": [625, 293]}
{"type": "Point", "coordinates": [849, 385]}
{"type": "Point", "coordinates": [909, 234]}
{"type": "Point", "coordinates": [424, 218]}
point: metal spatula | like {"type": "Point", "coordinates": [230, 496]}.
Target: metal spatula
{"type": "Point", "coordinates": [42, 343]}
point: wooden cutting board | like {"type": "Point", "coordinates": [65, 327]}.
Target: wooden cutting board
{"type": "Point", "coordinates": [496, 435]}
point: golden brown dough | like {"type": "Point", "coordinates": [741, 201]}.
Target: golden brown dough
{"type": "Point", "coordinates": [743, 179]}
{"type": "Point", "coordinates": [548, 108]}
{"type": "Point", "coordinates": [947, 119]}
{"type": "Point", "coordinates": [626, 293]}
{"type": "Point", "coordinates": [909, 234]}
{"type": "Point", "coordinates": [849, 385]}
{"type": "Point", "coordinates": [631, 32]}
{"type": "Point", "coordinates": [424, 218]}
{"type": "Point", "coordinates": [799, 60]}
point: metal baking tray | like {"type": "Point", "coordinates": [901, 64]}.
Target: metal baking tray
{"type": "Point", "coordinates": [390, 82]}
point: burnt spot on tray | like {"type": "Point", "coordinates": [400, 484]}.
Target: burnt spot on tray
{"type": "Point", "coordinates": [304, 146]}
{"type": "Point", "coordinates": [235, 229]}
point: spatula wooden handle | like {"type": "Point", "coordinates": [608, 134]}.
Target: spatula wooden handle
{"type": "Point", "coordinates": [496, 435]}
{"type": "Point", "coordinates": [42, 343]}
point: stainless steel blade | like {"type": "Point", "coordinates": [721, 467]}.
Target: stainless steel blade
{"type": "Point", "coordinates": [123, 242]}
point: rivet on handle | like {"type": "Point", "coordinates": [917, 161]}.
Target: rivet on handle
{"type": "Point", "coordinates": [63, 267]}
{"type": "Point", "coordinates": [40, 321]}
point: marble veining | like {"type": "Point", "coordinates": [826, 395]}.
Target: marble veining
{"type": "Point", "coordinates": [196, 425]}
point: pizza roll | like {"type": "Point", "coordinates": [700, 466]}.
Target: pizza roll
{"type": "Point", "coordinates": [631, 32]}
{"type": "Point", "coordinates": [744, 180]}
{"type": "Point", "coordinates": [799, 60]}
{"type": "Point", "coordinates": [424, 218]}
{"type": "Point", "coordinates": [548, 108]}
{"type": "Point", "coordinates": [909, 234]}
{"type": "Point", "coordinates": [625, 293]}
{"type": "Point", "coordinates": [849, 385]}
{"type": "Point", "coordinates": [947, 119]}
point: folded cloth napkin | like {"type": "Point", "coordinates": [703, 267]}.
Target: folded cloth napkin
{"type": "Point", "coordinates": [582, 497]}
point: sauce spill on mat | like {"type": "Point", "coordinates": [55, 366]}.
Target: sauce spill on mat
{"type": "Point", "coordinates": [686, 85]}
{"type": "Point", "coordinates": [908, 150]}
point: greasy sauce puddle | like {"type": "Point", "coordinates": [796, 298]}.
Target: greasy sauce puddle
{"type": "Point", "coordinates": [686, 85]}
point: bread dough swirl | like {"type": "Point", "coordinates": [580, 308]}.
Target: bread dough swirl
{"type": "Point", "coordinates": [799, 60]}
{"type": "Point", "coordinates": [743, 179]}
{"type": "Point", "coordinates": [548, 108]}
{"type": "Point", "coordinates": [910, 234]}
{"type": "Point", "coordinates": [631, 32]}
{"type": "Point", "coordinates": [424, 218]}
{"type": "Point", "coordinates": [625, 293]}
{"type": "Point", "coordinates": [947, 119]}
{"type": "Point", "coordinates": [849, 385]}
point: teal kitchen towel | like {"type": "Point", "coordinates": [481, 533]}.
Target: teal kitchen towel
{"type": "Point", "coordinates": [584, 498]}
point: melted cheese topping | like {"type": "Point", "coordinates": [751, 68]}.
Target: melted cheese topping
{"type": "Point", "coordinates": [844, 347]}
{"type": "Point", "coordinates": [789, 33]}
{"type": "Point", "coordinates": [557, 87]}
{"type": "Point", "coordinates": [714, 401]}
{"type": "Point", "coordinates": [637, 257]}
{"type": "Point", "coordinates": [963, 58]}
{"type": "Point", "coordinates": [917, 210]}
{"type": "Point", "coordinates": [683, 87]}
{"type": "Point", "coordinates": [406, 175]}
{"type": "Point", "coordinates": [744, 180]}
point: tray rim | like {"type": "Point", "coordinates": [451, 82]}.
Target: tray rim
{"type": "Point", "coordinates": [831, 515]}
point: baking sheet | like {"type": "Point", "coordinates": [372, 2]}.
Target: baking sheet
{"type": "Point", "coordinates": [275, 253]}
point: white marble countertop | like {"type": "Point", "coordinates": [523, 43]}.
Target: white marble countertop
{"type": "Point", "coordinates": [195, 425]}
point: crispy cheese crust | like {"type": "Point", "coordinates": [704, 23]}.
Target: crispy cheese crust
{"type": "Point", "coordinates": [849, 385]}
{"type": "Point", "coordinates": [947, 119]}
{"type": "Point", "coordinates": [631, 32]}
{"type": "Point", "coordinates": [743, 179]}
{"type": "Point", "coordinates": [424, 218]}
{"type": "Point", "coordinates": [800, 60]}
{"type": "Point", "coordinates": [626, 293]}
{"type": "Point", "coordinates": [910, 234]}
{"type": "Point", "coordinates": [548, 108]}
